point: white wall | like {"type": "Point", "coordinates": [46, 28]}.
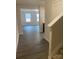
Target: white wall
{"type": "Point", "coordinates": [42, 17]}
{"type": "Point", "coordinates": [52, 9]}
{"type": "Point", "coordinates": [18, 19]}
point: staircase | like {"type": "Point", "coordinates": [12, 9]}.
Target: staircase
{"type": "Point", "coordinates": [56, 38]}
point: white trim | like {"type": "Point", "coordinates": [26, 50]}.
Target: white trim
{"type": "Point", "coordinates": [55, 20]}
{"type": "Point", "coordinates": [17, 39]}
{"type": "Point", "coordinates": [29, 9]}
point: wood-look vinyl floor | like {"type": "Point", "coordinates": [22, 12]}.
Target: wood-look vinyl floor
{"type": "Point", "coordinates": [31, 44]}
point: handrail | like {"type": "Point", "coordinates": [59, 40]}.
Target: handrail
{"type": "Point", "coordinates": [55, 20]}
{"type": "Point", "coordinates": [50, 25]}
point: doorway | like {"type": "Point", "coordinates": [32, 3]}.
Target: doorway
{"type": "Point", "coordinates": [30, 17]}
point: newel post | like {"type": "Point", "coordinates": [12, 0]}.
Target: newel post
{"type": "Point", "coordinates": [50, 43]}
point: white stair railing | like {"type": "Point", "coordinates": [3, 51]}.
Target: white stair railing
{"type": "Point", "coordinates": [50, 25]}
{"type": "Point", "coordinates": [55, 20]}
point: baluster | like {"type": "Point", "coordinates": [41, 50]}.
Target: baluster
{"type": "Point", "coordinates": [50, 44]}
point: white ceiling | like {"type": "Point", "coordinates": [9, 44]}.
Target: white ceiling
{"type": "Point", "coordinates": [30, 2]}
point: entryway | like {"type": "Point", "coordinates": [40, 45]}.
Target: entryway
{"type": "Point", "coordinates": [31, 45]}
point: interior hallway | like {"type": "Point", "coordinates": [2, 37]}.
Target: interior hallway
{"type": "Point", "coordinates": [31, 44]}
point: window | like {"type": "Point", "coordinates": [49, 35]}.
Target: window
{"type": "Point", "coordinates": [28, 17]}
{"type": "Point", "coordinates": [37, 17]}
